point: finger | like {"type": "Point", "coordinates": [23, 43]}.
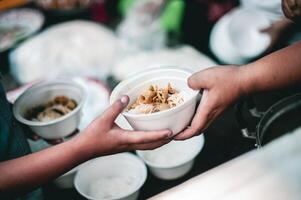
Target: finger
{"type": "Point", "coordinates": [55, 141]}
{"type": "Point", "coordinates": [186, 134]}
{"type": "Point", "coordinates": [265, 30]}
{"type": "Point", "coordinates": [115, 109]}
{"type": "Point", "coordinates": [199, 121]}
{"type": "Point", "coordinates": [286, 7]}
{"type": "Point", "coordinates": [34, 137]}
{"type": "Point", "coordinates": [143, 137]}
{"type": "Point", "coordinates": [293, 8]}
{"type": "Point", "coordinates": [198, 81]}
{"type": "Point", "coordinates": [149, 146]}
{"type": "Point", "coordinates": [30, 134]}
{"type": "Point", "coordinates": [192, 131]}
{"type": "Point", "coordinates": [291, 3]}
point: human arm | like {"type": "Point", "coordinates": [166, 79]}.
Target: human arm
{"type": "Point", "coordinates": [101, 137]}
{"type": "Point", "coordinates": [224, 85]}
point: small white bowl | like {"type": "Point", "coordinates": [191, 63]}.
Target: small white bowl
{"type": "Point", "coordinates": [176, 119]}
{"type": "Point", "coordinates": [44, 92]}
{"type": "Point", "coordinates": [173, 160]}
{"type": "Point", "coordinates": [120, 177]}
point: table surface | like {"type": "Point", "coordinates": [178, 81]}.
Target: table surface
{"type": "Point", "coordinates": [223, 140]}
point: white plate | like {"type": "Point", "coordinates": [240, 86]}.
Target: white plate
{"type": "Point", "coordinates": [27, 21]}
{"type": "Point", "coordinates": [236, 37]}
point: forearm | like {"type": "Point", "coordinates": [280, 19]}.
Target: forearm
{"type": "Point", "coordinates": [26, 173]}
{"type": "Point", "coordinates": [277, 70]}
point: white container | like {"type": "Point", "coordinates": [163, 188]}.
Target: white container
{"type": "Point", "coordinates": [44, 92]}
{"type": "Point", "coordinates": [173, 160]}
{"type": "Point", "coordinates": [121, 175]}
{"type": "Point", "coordinates": [177, 118]}
{"type": "Point", "coordinates": [237, 38]}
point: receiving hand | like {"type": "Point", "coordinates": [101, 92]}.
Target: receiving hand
{"type": "Point", "coordinates": [276, 30]}
{"type": "Point", "coordinates": [103, 136]}
{"type": "Point", "coordinates": [292, 9]}
{"type": "Point", "coordinates": [221, 87]}
{"type": "Point", "coordinates": [34, 137]}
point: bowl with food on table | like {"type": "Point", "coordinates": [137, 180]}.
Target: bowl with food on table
{"type": "Point", "coordinates": [51, 109]}
{"type": "Point", "coordinates": [118, 176]}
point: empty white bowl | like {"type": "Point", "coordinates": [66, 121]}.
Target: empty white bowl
{"type": "Point", "coordinates": [176, 118]}
{"type": "Point", "coordinates": [43, 92]}
{"type": "Point", "coordinates": [174, 159]}
{"type": "Point", "coordinates": [119, 176]}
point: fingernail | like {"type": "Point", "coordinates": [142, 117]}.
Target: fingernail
{"type": "Point", "coordinates": [124, 100]}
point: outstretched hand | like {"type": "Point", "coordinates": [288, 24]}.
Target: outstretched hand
{"type": "Point", "coordinates": [221, 87]}
{"type": "Point", "coordinates": [104, 137]}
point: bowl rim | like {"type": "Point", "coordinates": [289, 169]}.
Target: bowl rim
{"type": "Point", "coordinates": [126, 155]}
{"type": "Point", "coordinates": [145, 72]}
{"type": "Point", "coordinates": [43, 84]}
{"type": "Point", "coordinates": [200, 141]}
{"type": "Point", "coordinates": [32, 12]}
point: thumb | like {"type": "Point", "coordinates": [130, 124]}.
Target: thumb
{"type": "Point", "coordinates": [198, 81]}
{"type": "Point", "coordinates": [115, 109]}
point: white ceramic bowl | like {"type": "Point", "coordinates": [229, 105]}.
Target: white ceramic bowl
{"type": "Point", "coordinates": [120, 177]}
{"type": "Point", "coordinates": [174, 159]}
{"type": "Point", "coordinates": [175, 119]}
{"type": "Point", "coordinates": [42, 93]}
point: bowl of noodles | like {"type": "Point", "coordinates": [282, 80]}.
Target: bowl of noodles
{"type": "Point", "coordinates": [159, 99]}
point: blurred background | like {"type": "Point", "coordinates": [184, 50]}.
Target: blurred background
{"type": "Point", "coordinates": [99, 43]}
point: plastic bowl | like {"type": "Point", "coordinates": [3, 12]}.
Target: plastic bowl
{"type": "Point", "coordinates": [42, 93]}
{"type": "Point", "coordinates": [175, 119]}
{"type": "Point", "coordinates": [173, 160]}
{"type": "Point", "coordinates": [121, 175]}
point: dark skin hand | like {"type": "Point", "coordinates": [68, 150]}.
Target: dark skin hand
{"type": "Point", "coordinates": [101, 137]}
{"type": "Point", "coordinates": [292, 9]}
{"type": "Point", "coordinates": [276, 30]}
{"type": "Point", "coordinates": [224, 85]}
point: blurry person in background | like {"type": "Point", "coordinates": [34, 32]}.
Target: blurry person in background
{"type": "Point", "coordinates": [252, 29]}
{"type": "Point", "coordinates": [189, 21]}
{"type": "Point", "coordinates": [22, 172]}
{"type": "Point", "coordinates": [223, 85]}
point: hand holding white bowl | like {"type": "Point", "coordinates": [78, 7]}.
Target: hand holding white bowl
{"type": "Point", "coordinates": [176, 118]}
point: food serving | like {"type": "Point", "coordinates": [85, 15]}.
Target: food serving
{"type": "Point", "coordinates": [156, 99]}
{"type": "Point", "coordinates": [181, 111]}
{"type": "Point", "coordinates": [56, 108]}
